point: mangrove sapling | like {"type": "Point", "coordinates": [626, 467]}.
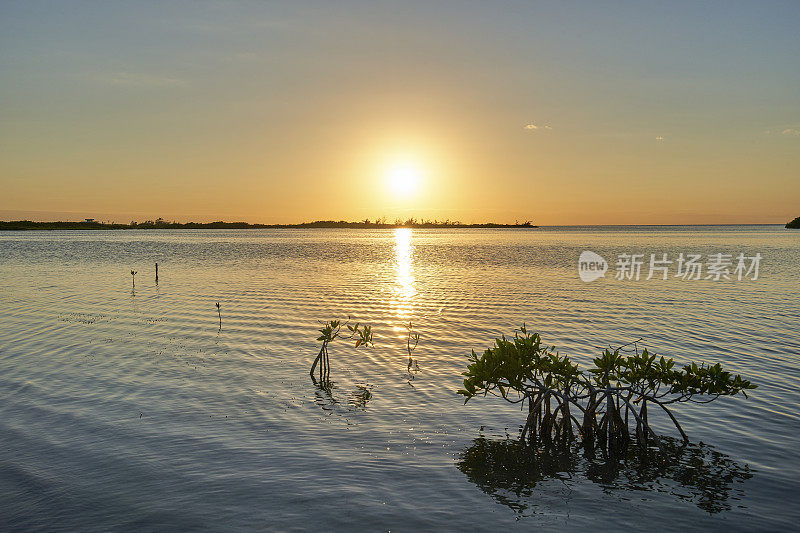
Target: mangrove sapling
{"type": "Point", "coordinates": [133, 279]}
{"type": "Point", "coordinates": [412, 336]}
{"type": "Point", "coordinates": [220, 316]}
{"type": "Point", "coordinates": [330, 331]}
{"type": "Point", "coordinates": [613, 399]}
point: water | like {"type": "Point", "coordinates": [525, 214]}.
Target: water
{"type": "Point", "coordinates": [132, 408]}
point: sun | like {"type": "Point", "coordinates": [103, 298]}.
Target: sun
{"type": "Point", "coordinates": [403, 178]}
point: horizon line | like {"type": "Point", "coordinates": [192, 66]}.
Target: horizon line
{"type": "Point", "coordinates": [389, 225]}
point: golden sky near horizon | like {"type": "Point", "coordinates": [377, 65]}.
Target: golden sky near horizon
{"type": "Point", "coordinates": [288, 112]}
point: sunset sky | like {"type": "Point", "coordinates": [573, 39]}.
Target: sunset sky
{"type": "Point", "coordinates": [557, 112]}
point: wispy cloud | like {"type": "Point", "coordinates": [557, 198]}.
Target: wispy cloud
{"type": "Point", "coordinates": [138, 79]}
{"type": "Point", "coordinates": [531, 126]}
{"type": "Point", "coordinates": [659, 138]}
{"type": "Point", "coordinates": [791, 131]}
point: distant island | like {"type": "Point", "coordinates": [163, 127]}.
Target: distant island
{"type": "Point", "coordinates": [91, 224]}
{"type": "Point", "coordinates": [794, 224]}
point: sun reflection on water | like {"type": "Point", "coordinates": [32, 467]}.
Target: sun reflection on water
{"type": "Point", "coordinates": [404, 290]}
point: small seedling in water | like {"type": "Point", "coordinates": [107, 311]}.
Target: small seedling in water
{"type": "Point", "coordinates": [133, 278]}
{"type": "Point", "coordinates": [220, 316]}
{"type": "Point", "coordinates": [412, 336]}
{"type": "Point", "coordinates": [365, 334]}
{"type": "Point", "coordinates": [329, 332]}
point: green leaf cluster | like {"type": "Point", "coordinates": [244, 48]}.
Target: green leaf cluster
{"type": "Point", "coordinates": [513, 364]}
{"type": "Point", "coordinates": [364, 334]}
{"type": "Point", "coordinates": [329, 331]}
{"type": "Point", "coordinates": [524, 365]}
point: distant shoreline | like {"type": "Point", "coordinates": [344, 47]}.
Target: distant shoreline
{"type": "Point", "coordinates": [28, 225]}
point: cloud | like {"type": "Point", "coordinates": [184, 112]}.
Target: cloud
{"type": "Point", "coordinates": [659, 138]}
{"type": "Point", "coordinates": [791, 131]}
{"type": "Point", "coordinates": [531, 126]}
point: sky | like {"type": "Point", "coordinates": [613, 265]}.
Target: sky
{"type": "Point", "coordinates": [280, 112]}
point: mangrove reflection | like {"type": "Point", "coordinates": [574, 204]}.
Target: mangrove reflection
{"type": "Point", "coordinates": [360, 396]}
{"type": "Point", "coordinates": [509, 471]}
{"type": "Point", "coordinates": [325, 396]}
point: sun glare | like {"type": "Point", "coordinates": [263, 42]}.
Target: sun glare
{"type": "Point", "coordinates": [403, 178]}
{"type": "Point", "coordinates": [404, 290]}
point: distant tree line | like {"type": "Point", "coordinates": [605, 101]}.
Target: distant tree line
{"type": "Point", "coordinates": [160, 223]}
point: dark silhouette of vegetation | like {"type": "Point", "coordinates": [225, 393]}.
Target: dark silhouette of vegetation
{"type": "Point", "coordinates": [508, 471]}
{"type": "Point", "coordinates": [360, 397]}
{"type": "Point", "coordinates": [219, 312]}
{"type": "Point", "coordinates": [21, 225]}
{"type": "Point", "coordinates": [794, 224]}
{"type": "Point", "coordinates": [412, 336]}
{"type": "Point", "coordinates": [133, 279]}
{"type": "Point", "coordinates": [330, 331]}
{"type": "Point", "coordinates": [607, 405]}
{"type": "Point", "coordinates": [327, 397]}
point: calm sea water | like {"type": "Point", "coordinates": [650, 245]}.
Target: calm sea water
{"type": "Point", "coordinates": [131, 408]}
